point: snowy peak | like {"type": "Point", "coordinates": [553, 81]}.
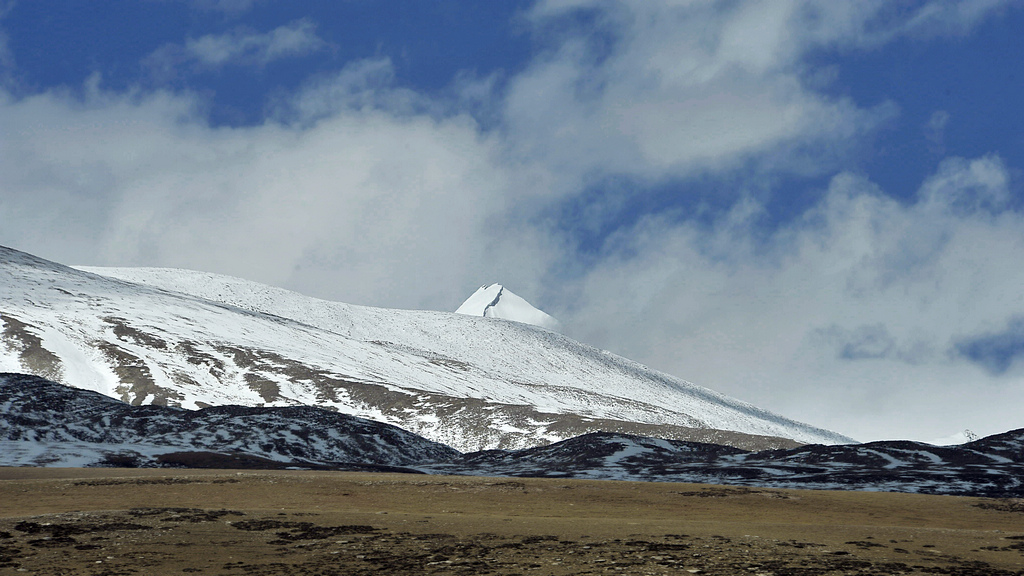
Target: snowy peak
{"type": "Point", "coordinates": [496, 301]}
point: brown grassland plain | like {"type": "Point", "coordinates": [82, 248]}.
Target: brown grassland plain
{"type": "Point", "coordinates": [121, 522]}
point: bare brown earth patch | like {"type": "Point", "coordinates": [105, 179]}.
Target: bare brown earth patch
{"type": "Point", "coordinates": [114, 522]}
{"type": "Point", "coordinates": [34, 358]}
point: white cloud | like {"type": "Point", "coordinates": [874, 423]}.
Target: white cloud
{"type": "Point", "coordinates": [663, 88]}
{"type": "Point", "coordinates": [363, 85]}
{"type": "Point", "coordinates": [238, 47]}
{"type": "Point", "coordinates": [846, 318]}
{"type": "Point", "coordinates": [669, 88]}
{"type": "Point", "coordinates": [951, 17]}
{"type": "Point", "coordinates": [296, 39]}
{"type": "Point", "coordinates": [363, 205]}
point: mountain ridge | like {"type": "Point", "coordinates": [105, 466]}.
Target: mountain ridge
{"type": "Point", "coordinates": [43, 423]}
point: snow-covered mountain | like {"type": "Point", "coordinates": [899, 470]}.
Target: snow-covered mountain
{"type": "Point", "coordinates": [496, 301]}
{"type": "Point", "coordinates": [191, 339]}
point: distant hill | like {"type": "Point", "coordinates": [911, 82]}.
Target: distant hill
{"type": "Point", "coordinates": [43, 423]}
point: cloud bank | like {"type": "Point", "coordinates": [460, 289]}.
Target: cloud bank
{"type": "Point", "coordinates": [364, 204]}
{"type": "Point", "coordinates": [864, 305]}
{"type": "Point", "coordinates": [874, 316]}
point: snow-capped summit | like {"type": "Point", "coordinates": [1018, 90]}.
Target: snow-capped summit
{"type": "Point", "coordinates": [496, 301]}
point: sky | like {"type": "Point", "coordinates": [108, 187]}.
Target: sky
{"type": "Point", "coordinates": [810, 205]}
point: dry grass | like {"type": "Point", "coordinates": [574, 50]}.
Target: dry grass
{"type": "Point", "coordinates": [111, 522]}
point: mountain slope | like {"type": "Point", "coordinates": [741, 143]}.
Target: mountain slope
{"type": "Point", "coordinates": [45, 423]}
{"type": "Point", "coordinates": [191, 339]}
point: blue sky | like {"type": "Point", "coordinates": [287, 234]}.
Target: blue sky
{"type": "Point", "coordinates": [811, 205]}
